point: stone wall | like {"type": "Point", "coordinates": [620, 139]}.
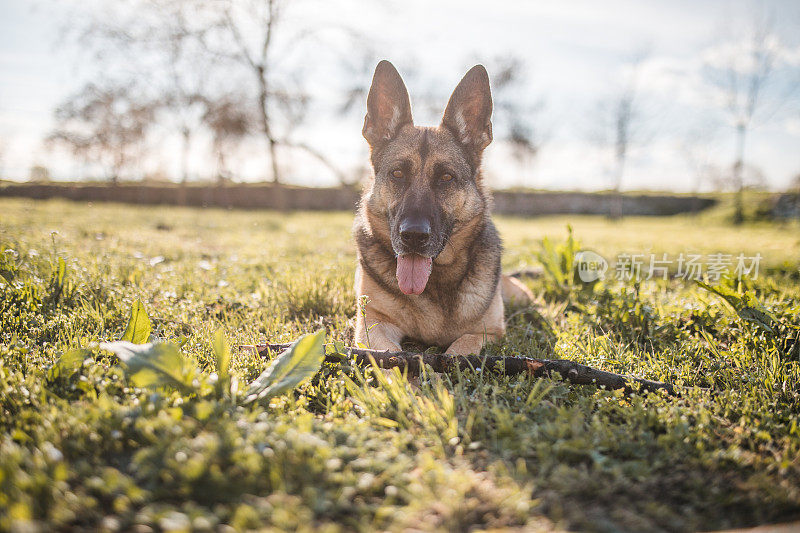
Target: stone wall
{"type": "Point", "coordinates": [786, 205]}
{"type": "Point", "coordinates": [343, 199]}
{"type": "Point", "coordinates": [553, 203]}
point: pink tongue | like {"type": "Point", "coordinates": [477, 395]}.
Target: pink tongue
{"type": "Point", "coordinates": [412, 273]}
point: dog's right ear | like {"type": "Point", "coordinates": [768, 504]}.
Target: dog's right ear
{"type": "Point", "coordinates": [469, 112]}
{"type": "Point", "coordinates": [388, 107]}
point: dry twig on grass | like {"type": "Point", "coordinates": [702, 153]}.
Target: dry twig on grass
{"type": "Point", "coordinates": [412, 363]}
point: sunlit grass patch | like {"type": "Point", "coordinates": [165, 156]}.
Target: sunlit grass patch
{"type": "Point", "coordinates": [360, 449]}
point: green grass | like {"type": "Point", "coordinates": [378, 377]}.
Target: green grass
{"type": "Point", "coordinates": [361, 450]}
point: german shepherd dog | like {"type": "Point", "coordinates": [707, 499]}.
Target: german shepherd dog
{"type": "Point", "coordinates": [428, 251]}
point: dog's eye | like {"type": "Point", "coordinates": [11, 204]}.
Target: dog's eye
{"type": "Point", "coordinates": [397, 173]}
{"type": "Point", "coordinates": [446, 177]}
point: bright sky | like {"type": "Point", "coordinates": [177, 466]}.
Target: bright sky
{"type": "Point", "coordinates": [575, 52]}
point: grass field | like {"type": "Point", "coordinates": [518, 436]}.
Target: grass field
{"type": "Point", "coordinates": [82, 447]}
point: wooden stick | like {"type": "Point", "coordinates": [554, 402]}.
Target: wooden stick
{"type": "Point", "coordinates": [412, 363]}
{"type": "Point", "coordinates": [532, 273]}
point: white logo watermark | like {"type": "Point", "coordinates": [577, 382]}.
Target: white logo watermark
{"type": "Point", "coordinates": [637, 267]}
{"type": "Point", "coordinates": [591, 266]}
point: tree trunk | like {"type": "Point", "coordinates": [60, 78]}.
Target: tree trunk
{"type": "Point", "coordinates": [187, 134]}
{"type": "Point", "coordinates": [738, 174]}
{"type": "Point", "coordinates": [616, 211]}
{"type": "Point", "coordinates": [273, 157]}
{"type": "Point", "coordinates": [278, 201]}
{"type": "Point", "coordinates": [117, 164]}
{"type": "Point", "coordinates": [221, 171]}
{"type": "Point", "coordinates": [263, 108]}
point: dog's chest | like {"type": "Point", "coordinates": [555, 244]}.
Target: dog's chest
{"type": "Point", "coordinates": [440, 319]}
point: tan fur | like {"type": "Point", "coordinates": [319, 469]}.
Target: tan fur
{"type": "Point", "coordinates": [390, 321]}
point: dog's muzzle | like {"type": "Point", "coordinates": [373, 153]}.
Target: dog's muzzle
{"type": "Point", "coordinates": [415, 233]}
{"type": "Point", "coordinates": [414, 253]}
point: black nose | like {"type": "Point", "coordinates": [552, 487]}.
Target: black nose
{"type": "Point", "coordinates": [415, 232]}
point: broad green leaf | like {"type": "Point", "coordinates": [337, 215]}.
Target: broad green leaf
{"type": "Point", "coordinates": [139, 328]}
{"type": "Point", "coordinates": [69, 363]}
{"type": "Point", "coordinates": [758, 317]}
{"type": "Point", "coordinates": [726, 293]}
{"type": "Point", "coordinates": [747, 306]}
{"type": "Point", "coordinates": [7, 275]}
{"type": "Point", "coordinates": [299, 362]}
{"type": "Point", "coordinates": [222, 354]}
{"type": "Point", "coordinates": [158, 364]}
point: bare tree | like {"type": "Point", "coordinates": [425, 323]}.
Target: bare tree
{"type": "Point", "coordinates": [742, 71]}
{"type": "Point", "coordinates": [104, 125]}
{"type": "Point", "coordinates": [517, 114]}
{"type": "Point", "coordinates": [146, 39]}
{"type": "Point", "coordinates": [183, 99]}
{"type": "Point", "coordinates": [620, 126]}
{"type": "Point", "coordinates": [696, 147]}
{"type": "Point", "coordinates": [229, 121]}
{"type": "Point", "coordinates": [250, 46]}
{"type": "Point", "coordinates": [184, 108]}
{"type": "Point", "coordinates": [246, 43]}
{"type": "Point", "coordinates": [39, 173]}
{"type": "Point", "coordinates": [224, 35]}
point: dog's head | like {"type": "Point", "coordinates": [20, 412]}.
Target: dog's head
{"type": "Point", "coordinates": [426, 180]}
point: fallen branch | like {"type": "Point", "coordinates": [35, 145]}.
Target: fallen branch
{"type": "Point", "coordinates": [532, 273]}
{"type": "Point", "coordinates": [412, 363]}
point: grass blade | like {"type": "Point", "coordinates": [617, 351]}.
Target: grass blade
{"type": "Point", "coordinates": [222, 354]}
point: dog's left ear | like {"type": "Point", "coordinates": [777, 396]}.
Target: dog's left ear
{"type": "Point", "coordinates": [469, 112]}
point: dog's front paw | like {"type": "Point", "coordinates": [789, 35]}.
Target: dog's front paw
{"type": "Point", "coordinates": [466, 345]}
{"type": "Point", "coordinates": [379, 336]}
